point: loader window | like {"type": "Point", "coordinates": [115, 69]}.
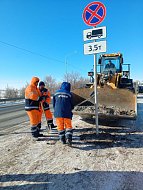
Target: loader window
{"type": "Point", "coordinates": [140, 89]}
{"type": "Point", "coordinates": [111, 65]}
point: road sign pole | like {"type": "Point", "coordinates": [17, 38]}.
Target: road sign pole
{"type": "Point", "coordinates": [93, 14]}
{"type": "Point", "coordinates": [95, 94]}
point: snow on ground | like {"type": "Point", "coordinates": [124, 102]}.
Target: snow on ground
{"type": "Point", "coordinates": [113, 160]}
{"type": "Point", "coordinates": [11, 103]}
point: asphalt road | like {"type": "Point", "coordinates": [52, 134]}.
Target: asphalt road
{"type": "Point", "coordinates": [11, 116]}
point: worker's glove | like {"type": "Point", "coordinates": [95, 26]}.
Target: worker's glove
{"type": "Point", "coordinates": [44, 98]}
{"type": "Point", "coordinates": [45, 105]}
{"type": "Point", "coordinates": [41, 98]}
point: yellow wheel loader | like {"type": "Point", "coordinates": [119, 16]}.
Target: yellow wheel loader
{"type": "Point", "coordinates": [115, 93]}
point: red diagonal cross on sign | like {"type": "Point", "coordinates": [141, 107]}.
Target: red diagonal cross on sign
{"type": "Point", "coordinates": [93, 17]}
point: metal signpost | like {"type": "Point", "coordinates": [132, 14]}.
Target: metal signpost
{"type": "Point", "coordinates": [93, 14]}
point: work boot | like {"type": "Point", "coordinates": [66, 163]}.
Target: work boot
{"type": "Point", "coordinates": [63, 140]}
{"type": "Point", "coordinates": [34, 132]}
{"type": "Point", "coordinates": [50, 125]}
{"type": "Point", "coordinates": [68, 135]}
{"type": "Point", "coordinates": [69, 142]}
{"type": "Point", "coordinates": [53, 126]}
{"type": "Point", "coordinates": [39, 126]}
{"type": "Point", "coordinates": [62, 136]}
{"type": "Point", "coordinates": [39, 134]}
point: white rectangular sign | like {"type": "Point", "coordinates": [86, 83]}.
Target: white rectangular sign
{"type": "Point", "coordinates": [94, 33]}
{"type": "Point", "coordinates": [95, 47]}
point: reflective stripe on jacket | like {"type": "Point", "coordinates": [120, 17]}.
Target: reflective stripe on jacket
{"type": "Point", "coordinates": [32, 95]}
{"type": "Point", "coordinates": [62, 102]}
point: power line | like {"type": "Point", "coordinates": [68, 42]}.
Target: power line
{"type": "Point", "coordinates": [32, 52]}
{"type": "Point", "coordinates": [35, 53]}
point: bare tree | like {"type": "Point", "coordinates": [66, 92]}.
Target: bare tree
{"type": "Point", "coordinates": [51, 84]}
{"type": "Point", "coordinates": [11, 92]}
{"type": "Point", "coordinates": [22, 90]}
{"type": "Point", "coordinates": [75, 79]}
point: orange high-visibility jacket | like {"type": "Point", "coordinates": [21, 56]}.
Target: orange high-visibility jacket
{"type": "Point", "coordinates": [32, 95]}
{"type": "Point", "coordinates": [45, 92]}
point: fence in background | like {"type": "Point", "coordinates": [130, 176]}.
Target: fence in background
{"type": "Point", "coordinates": [5, 100]}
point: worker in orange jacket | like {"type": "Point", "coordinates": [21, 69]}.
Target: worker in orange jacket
{"type": "Point", "coordinates": [44, 107]}
{"type": "Point", "coordinates": [32, 102]}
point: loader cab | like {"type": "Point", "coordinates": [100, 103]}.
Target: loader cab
{"type": "Point", "coordinates": [140, 89]}
{"type": "Point", "coordinates": [110, 63]}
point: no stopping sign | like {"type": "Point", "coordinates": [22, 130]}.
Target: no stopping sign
{"type": "Point", "coordinates": [94, 13]}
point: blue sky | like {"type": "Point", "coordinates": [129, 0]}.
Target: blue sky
{"type": "Point", "coordinates": [52, 30]}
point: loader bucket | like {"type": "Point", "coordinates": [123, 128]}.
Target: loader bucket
{"type": "Point", "coordinates": [115, 103]}
{"type": "Point", "coordinates": [81, 94]}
